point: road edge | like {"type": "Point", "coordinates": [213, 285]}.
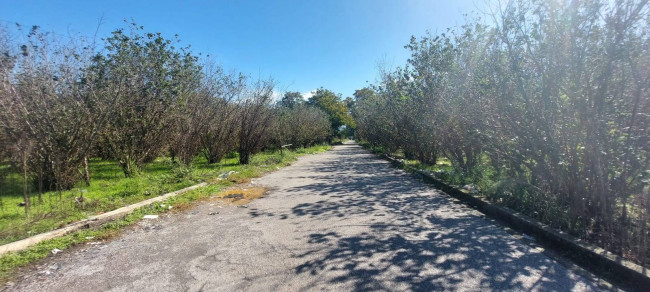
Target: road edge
{"type": "Point", "coordinates": [594, 259]}
{"type": "Point", "coordinates": [90, 222]}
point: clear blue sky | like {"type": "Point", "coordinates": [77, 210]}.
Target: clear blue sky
{"type": "Point", "coordinates": [303, 44]}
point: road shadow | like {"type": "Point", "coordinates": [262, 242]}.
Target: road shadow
{"type": "Point", "coordinates": [417, 239]}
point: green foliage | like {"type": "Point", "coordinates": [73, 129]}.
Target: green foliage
{"type": "Point", "coordinates": [300, 126]}
{"type": "Point", "coordinates": [147, 80]}
{"type": "Point", "coordinates": [334, 107]}
{"type": "Point", "coordinates": [292, 99]}
{"type": "Point", "coordinates": [314, 149]}
{"type": "Point", "coordinates": [180, 172]}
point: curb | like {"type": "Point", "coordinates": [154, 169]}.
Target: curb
{"type": "Point", "coordinates": [595, 259]}
{"type": "Point", "coordinates": [90, 222]}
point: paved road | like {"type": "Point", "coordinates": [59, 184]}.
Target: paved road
{"type": "Point", "coordinates": [341, 220]}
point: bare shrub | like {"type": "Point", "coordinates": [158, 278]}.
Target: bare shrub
{"type": "Point", "coordinates": [256, 119]}
{"type": "Point", "coordinates": [152, 82]}
{"type": "Point", "coordinates": [49, 111]}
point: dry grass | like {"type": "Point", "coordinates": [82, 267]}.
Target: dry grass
{"type": "Point", "coordinates": [239, 179]}
{"type": "Point", "coordinates": [241, 195]}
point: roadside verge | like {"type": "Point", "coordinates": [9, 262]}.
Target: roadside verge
{"type": "Point", "coordinates": [18, 257]}
{"type": "Point", "coordinates": [90, 222]}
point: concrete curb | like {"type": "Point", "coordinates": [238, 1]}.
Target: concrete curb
{"type": "Point", "coordinates": [590, 257]}
{"type": "Point", "coordinates": [90, 222]}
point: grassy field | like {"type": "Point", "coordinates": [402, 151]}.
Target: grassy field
{"type": "Point", "coordinates": [110, 190]}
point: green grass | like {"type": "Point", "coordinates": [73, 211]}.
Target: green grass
{"type": "Point", "coordinates": [110, 190]}
{"type": "Point", "coordinates": [112, 187]}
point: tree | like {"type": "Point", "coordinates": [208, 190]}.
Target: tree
{"type": "Point", "coordinates": [256, 119]}
{"type": "Point", "coordinates": [151, 80]}
{"type": "Point", "coordinates": [300, 126]}
{"type": "Point", "coordinates": [363, 93]}
{"type": "Point", "coordinates": [291, 99]}
{"type": "Point", "coordinates": [334, 107]}
{"type": "Point", "coordinates": [49, 110]}
{"type": "Point", "coordinates": [205, 121]}
{"type": "Point", "coordinates": [548, 109]}
{"type": "Point", "coordinates": [222, 133]}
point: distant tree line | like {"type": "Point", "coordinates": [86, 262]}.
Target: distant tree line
{"type": "Point", "coordinates": [136, 98]}
{"type": "Point", "coordinates": [548, 107]}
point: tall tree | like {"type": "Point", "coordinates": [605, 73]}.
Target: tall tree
{"type": "Point", "coordinates": [222, 133]}
{"type": "Point", "coordinates": [291, 99]}
{"type": "Point", "coordinates": [256, 119]}
{"type": "Point", "coordinates": [151, 78]}
{"type": "Point", "coordinates": [49, 109]}
{"type": "Point", "coordinates": [334, 106]}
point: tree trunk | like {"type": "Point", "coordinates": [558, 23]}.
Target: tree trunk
{"type": "Point", "coordinates": [86, 172]}
{"type": "Point", "coordinates": [213, 156]}
{"type": "Point", "coordinates": [244, 157]}
{"type": "Point", "coordinates": [25, 194]}
{"type": "Point", "coordinates": [127, 167]}
{"type": "Point", "coordinates": [40, 187]}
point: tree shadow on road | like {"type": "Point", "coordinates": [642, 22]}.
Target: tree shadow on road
{"type": "Point", "coordinates": [416, 238]}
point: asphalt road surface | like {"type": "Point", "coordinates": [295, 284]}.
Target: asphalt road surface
{"type": "Point", "coordinates": [338, 221]}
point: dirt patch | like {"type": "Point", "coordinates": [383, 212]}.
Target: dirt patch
{"type": "Point", "coordinates": [234, 197]}
{"type": "Point", "coordinates": [239, 180]}
{"type": "Point", "coordinates": [242, 196]}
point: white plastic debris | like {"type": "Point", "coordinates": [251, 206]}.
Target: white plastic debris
{"type": "Point", "coordinates": [150, 217]}
{"type": "Point", "coordinates": [56, 250]}
{"type": "Point", "coordinates": [90, 237]}
{"type": "Point", "coordinates": [227, 174]}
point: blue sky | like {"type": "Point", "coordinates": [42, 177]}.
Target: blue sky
{"type": "Point", "coordinates": [303, 45]}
